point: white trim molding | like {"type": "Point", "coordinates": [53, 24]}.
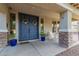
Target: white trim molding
{"type": "Point", "coordinates": [65, 30]}
{"type": "Point", "coordinates": [3, 30]}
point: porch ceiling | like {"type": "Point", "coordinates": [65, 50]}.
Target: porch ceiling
{"type": "Point", "coordinates": [50, 10]}
{"type": "Point", "coordinates": [75, 5]}
{"type": "Point", "coordinates": [50, 7]}
{"type": "Point", "coordinates": [53, 7]}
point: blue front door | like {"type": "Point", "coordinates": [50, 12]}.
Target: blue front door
{"type": "Point", "coordinates": [28, 27]}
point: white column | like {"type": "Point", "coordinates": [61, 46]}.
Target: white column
{"type": "Point", "coordinates": [3, 25]}
{"type": "Point", "coordinates": [65, 29]}
{"type": "Point", "coordinates": [65, 22]}
{"type": "Point", "coordinates": [17, 26]}
{"type": "Point", "coordinates": [3, 29]}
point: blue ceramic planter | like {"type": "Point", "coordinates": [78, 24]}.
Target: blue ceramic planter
{"type": "Point", "coordinates": [42, 38]}
{"type": "Point", "coordinates": [12, 42]}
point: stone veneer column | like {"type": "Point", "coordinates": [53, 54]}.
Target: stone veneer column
{"type": "Point", "coordinates": [3, 39]}
{"type": "Point", "coordinates": [65, 39]}
{"type": "Point", "coordinates": [65, 34]}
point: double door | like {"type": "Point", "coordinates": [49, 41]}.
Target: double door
{"type": "Point", "coordinates": [28, 27]}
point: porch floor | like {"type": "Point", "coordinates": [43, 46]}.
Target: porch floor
{"type": "Point", "coordinates": [35, 48]}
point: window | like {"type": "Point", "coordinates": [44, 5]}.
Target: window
{"type": "Point", "coordinates": [12, 25]}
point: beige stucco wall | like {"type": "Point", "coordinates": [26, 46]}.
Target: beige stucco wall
{"type": "Point", "coordinates": [3, 8]}
{"type": "Point", "coordinates": [47, 20]}
{"type": "Point", "coordinates": [44, 15]}
{"type": "Point", "coordinates": [48, 24]}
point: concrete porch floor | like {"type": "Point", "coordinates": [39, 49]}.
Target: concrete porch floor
{"type": "Point", "coordinates": [35, 48]}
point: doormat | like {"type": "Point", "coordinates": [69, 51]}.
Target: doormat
{"type": "Point", "coordinates": [24, 42]}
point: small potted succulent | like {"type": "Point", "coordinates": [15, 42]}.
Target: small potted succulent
{"type": "Point", "coordinates": [42, 36]}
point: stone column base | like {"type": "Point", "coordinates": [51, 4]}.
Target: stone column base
{"type": "Point", "coordinates": [3, 39]}
{"type": "Point", "coordinates": [65, 39]}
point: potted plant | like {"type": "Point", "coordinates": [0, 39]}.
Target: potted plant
{"type": "Point", "coordinates": [11, 40]}
{"type": "Point", "coordinates": [42, 36]}
{"type": "Point", "coordinates": [42, 33]}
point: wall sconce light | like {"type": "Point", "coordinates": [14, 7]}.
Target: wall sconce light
{"type": "Point", "coordinates": [52, 24]}
{"type": "Point", "coordinates": [41, 24]}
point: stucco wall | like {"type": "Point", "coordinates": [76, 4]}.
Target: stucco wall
{"type": "Point", "coordinates": [48, 24]}
{"type": "Point", "coordinates": [3, 8]}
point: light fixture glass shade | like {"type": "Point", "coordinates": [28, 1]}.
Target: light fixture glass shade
{"type": "Point", "coordinates": [52, 25]}
{"type": "Point", "coordinates": [41, 25]}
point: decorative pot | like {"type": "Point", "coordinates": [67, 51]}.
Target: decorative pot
{"type": "Point", "coordinates": [42, 38]}
{"type": "Point", "coordinates": [12, 42]}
